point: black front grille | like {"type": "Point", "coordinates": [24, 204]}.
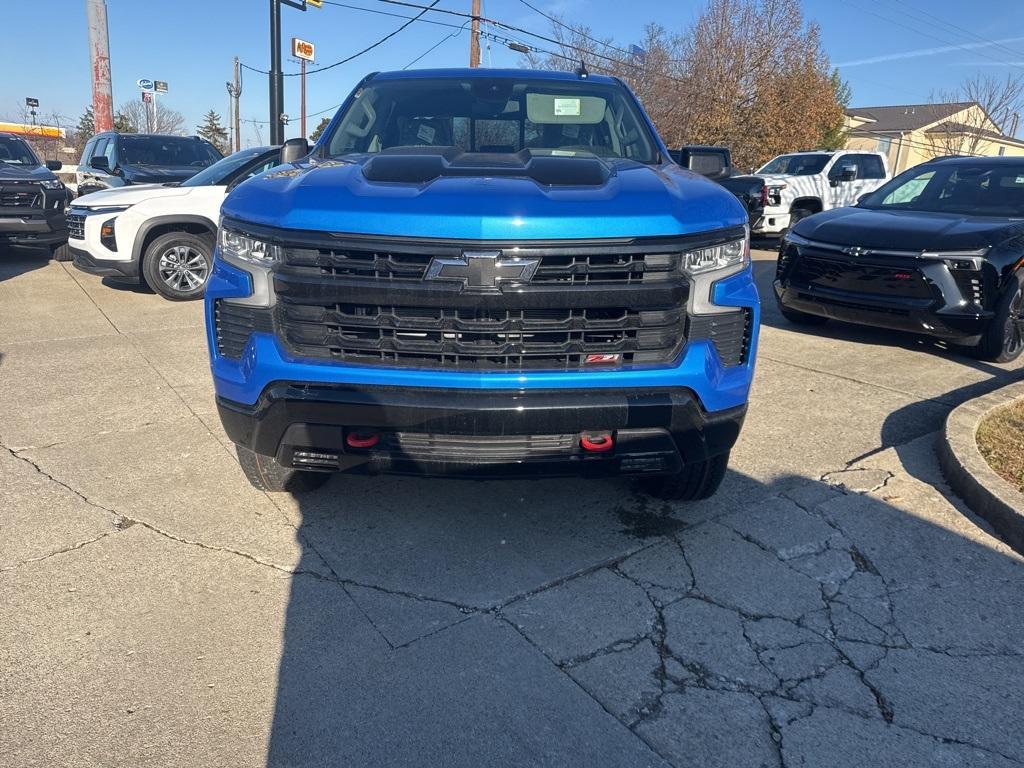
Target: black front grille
{"type": "Point", "coordinates": [76, 226]}
{"type": "Point", "coordinates": [235, 323]}
{"type": "Point", "coordinates": [588, 305]}
{"type": "Point", "coordinates": [850, 274]}
{"type": "Point", "coordinates": [626, 264]}
{"type": "Point", "coordinates": [20, 197]}
{"type": "Point", "coordinates": [480, 338]}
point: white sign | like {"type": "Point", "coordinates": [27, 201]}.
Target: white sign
{"type": "Point", "coordinates": [567, 107]}
{"type": "Point", "coordinates": [302, 49]}
{"type": "Point", "coordinates": [145, 84]}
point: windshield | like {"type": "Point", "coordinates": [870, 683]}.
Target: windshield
{"type": "Point", "coordinates": [973, 189]}
{"type": "Point", "coordinates": [496, 115]}
{"type": "Point", "coordinates": [16, 152]}
{"type": "Point", "coordinates": [797, 165]}
{"type": "Point", "coordinates": [222, 170]}
{"type": "Point", "coordinates": [165, 150]}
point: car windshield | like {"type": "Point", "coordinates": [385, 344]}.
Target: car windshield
{"type": "Point", "coordinates": [166, 150]}
{"type": "Point", "coordinates": [496, 115]}
{"type": "Point", "coordinates": [797, 165]}
{"type": "Point", "coordinates": [16, 152]}
{"type": "Point", "coordinates": [221, 171]}
{"type": "Point", "coordinates": [973, 189]}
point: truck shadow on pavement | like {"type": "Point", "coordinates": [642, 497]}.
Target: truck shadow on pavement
{"type": "Point", "coordinates": [570, 623]}
{"type": "Point", "coordinates": [15, 262]}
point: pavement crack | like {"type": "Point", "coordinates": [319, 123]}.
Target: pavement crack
{"type": "Point", "coordinates": [70, 548]}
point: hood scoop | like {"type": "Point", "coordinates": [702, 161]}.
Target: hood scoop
{"type": "Point", "coordinates": [419, 165]}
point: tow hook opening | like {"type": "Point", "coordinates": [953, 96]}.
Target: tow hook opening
{"type": "Point", "coordinates": [597, 442]}
{"type": "Point", "coordinates": [362, 438]}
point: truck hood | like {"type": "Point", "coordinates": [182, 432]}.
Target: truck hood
{"type": "Point", "coordinates": [484, 198]}
{"type": "Point", "coordinates": [21, 173]}
{"type": "Point", "coordinates": [907, 230]}
{"type": "Point", "coordinates": [158, 174]}
{"type": "Point", "coordinates": [130, 195]}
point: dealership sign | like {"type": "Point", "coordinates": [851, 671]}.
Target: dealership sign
{"type": "Point", "coordinates": [145, 84]}
{"type": "Point", "coordinates": [302, 49]}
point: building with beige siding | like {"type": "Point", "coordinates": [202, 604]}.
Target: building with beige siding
{"type": "Point", "coordinates": [913, 133]}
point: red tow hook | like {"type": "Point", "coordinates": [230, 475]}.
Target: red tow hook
{"type": "Point", "coordinates": [362, 439]}
{"type": "Point", "coordinates": [597, 442]}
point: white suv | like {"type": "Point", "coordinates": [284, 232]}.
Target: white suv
{"type": "Point", "coordinates": [160, 234]}
{"type": "Point", "coordinates": [803, 183]}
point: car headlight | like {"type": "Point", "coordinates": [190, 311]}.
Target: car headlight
{"type": "Point", "coordinates": [51, 184]}
{"type": "Point", "coordinates": [734, 253]}
{"type": "Point", "coordinates": [243, 247]}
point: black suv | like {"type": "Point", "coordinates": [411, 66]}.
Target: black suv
{"type": "Point", "coordinates": [938, 250]}
{"type": "Point", "coordinates": [32, 199]}
{"type": "Point", "coordinates": [113, 159]}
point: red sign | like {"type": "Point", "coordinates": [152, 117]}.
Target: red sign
{"type": "Point", "coordinates": [302, 49]}
{"type": "Point", "coordinates": [147, 96]}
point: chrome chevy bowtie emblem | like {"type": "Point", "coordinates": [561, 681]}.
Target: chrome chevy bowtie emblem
{"type": "Point", "coordinates": [855, 250]}
{"type": "Point", "coordinates": [482, 271]}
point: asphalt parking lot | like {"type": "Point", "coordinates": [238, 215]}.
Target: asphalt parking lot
{"type": "Point", "coordinates": [832, 606]}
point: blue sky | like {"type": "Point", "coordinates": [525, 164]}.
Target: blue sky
{"type": "Point", "coordinates": [891, 51]}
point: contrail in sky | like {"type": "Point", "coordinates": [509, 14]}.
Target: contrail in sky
{"type": "Point", "coordinates": [927, 52]}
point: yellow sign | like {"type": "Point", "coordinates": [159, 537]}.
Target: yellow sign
{"type": "Point", "coordinates": [315, 3]}
{"type": "Point", "coordinates": [38, 131]}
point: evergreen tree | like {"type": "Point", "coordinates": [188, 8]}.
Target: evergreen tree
{"type": "Point", "coordinates": [86, 124]}
{"type": "Point", "coordinates": [214, 132]}
{"type": "Point", "coordinates": [318, 131]}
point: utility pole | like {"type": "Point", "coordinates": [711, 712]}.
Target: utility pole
{"type": "Point", "coordinates": [276, 75]}
{"type": "Point", "coordinates": [99, 54]}
{"type": "Point", "coordinates": [474, 36]}
{"type": "Point", "coordinates": [235, 92]}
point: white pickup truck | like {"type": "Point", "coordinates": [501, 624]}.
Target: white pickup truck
{"type": "Point", "coordinates": [802, 183]}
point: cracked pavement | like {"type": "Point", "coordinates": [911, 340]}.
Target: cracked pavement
{"type": "Point", "coordinates": [832, 606]}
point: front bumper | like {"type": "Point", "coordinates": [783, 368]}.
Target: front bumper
{"type": "Point", "coordinates": [33, 231]}
{"type": "Point", "coordinates": [122, 270]}
{"type": "Point", "coordinates": [430, 431]}
{"type": "Point", "coordinates": [770, 222]}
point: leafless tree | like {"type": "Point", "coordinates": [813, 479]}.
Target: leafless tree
{"type": "Point", "coordinates": [1001, 101]}
{"type": "Point", "coordinates": [132, 116]}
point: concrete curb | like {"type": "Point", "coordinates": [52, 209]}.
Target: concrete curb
{"type": "Point", "coordinates": [970, 476]}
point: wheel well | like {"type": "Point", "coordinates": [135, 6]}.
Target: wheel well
{"type": "Point", "coordinates": [811, 204]}
{"type": "Point", "coordinates": [192, 227]}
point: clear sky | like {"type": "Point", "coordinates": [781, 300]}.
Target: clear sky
{"type": "Point", "coordinates": [891, 51]}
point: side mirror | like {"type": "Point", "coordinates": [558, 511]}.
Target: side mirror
{"type": "Point", "coordinates": [100, 163]}
{"type": "Point", "coordinates": [294, 150]}
{"type": "Point", "coordinates": [54, 165]}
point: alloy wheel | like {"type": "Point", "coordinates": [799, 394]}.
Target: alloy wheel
{"type": "Point", "coordinates": [1013, 335]}
{"type": "Point", "coordinates": [183, 268]}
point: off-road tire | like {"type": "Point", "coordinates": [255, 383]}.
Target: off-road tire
{"type": "Point", "coordinates": [694, 482]}
{"type": "Point", "coordinates": [61, 252]}
{"type": "Point", "coordinates": [177, 245]}
{"type": "Point", "coordinates": [265, 473]}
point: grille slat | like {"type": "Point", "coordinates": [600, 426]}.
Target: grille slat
{"type": "Point", "coordinates": [235, 323]}
{"type": "Point", "coordinates": [76, 226]}
{"type": "Point", "coordinates": [859, 277]}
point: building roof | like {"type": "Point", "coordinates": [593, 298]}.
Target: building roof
{"type": "Point", "coordinates": [951, 127]}
{"type": "Point", "coordinates": [905, 117]}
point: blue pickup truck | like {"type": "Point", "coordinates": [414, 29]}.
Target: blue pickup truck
{"type": "Point", "coordinates": [483, 273]}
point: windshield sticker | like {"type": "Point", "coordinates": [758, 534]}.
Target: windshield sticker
{"type": "Point", "coordinates": [567, 107]}
{"type": "Point", "coordinates": [426, 133]}
{"type": "Point", "coordinates": [562, 153]}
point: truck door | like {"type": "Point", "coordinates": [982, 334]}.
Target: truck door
{"type": "Point", "coordinates": [870, 172]}
{"type": "Point", "coordinates": [844, 181]}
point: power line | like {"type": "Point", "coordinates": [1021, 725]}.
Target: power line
{"type": "Point", "coordinates": [444, 39]}
{"type": "Point", "coordinates": [367, 49]}
{"type": "Point", "coordinates": [950, 26]}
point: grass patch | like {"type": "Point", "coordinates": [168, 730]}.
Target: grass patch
{"type": "Point", "coordinates": [1001, 441]}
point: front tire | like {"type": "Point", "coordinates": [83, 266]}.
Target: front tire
{"type": "Point", "coordinates": [61, 252]}
{"type": "Point", "coordinates": [693, 482]}
{"type": "Point", "coordinates": [265, 473]}
{"type": "Point", "coordinates": [1003, 341]}
{"type": "Point", "coordinates": [177, 265]}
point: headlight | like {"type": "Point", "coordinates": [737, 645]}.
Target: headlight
{"type": "Point", "coordinates": [51, 184]}
{"type": "Point", "coordinates": [243, 247]}
{"type": "Point", "coordinates": [731, 254]}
